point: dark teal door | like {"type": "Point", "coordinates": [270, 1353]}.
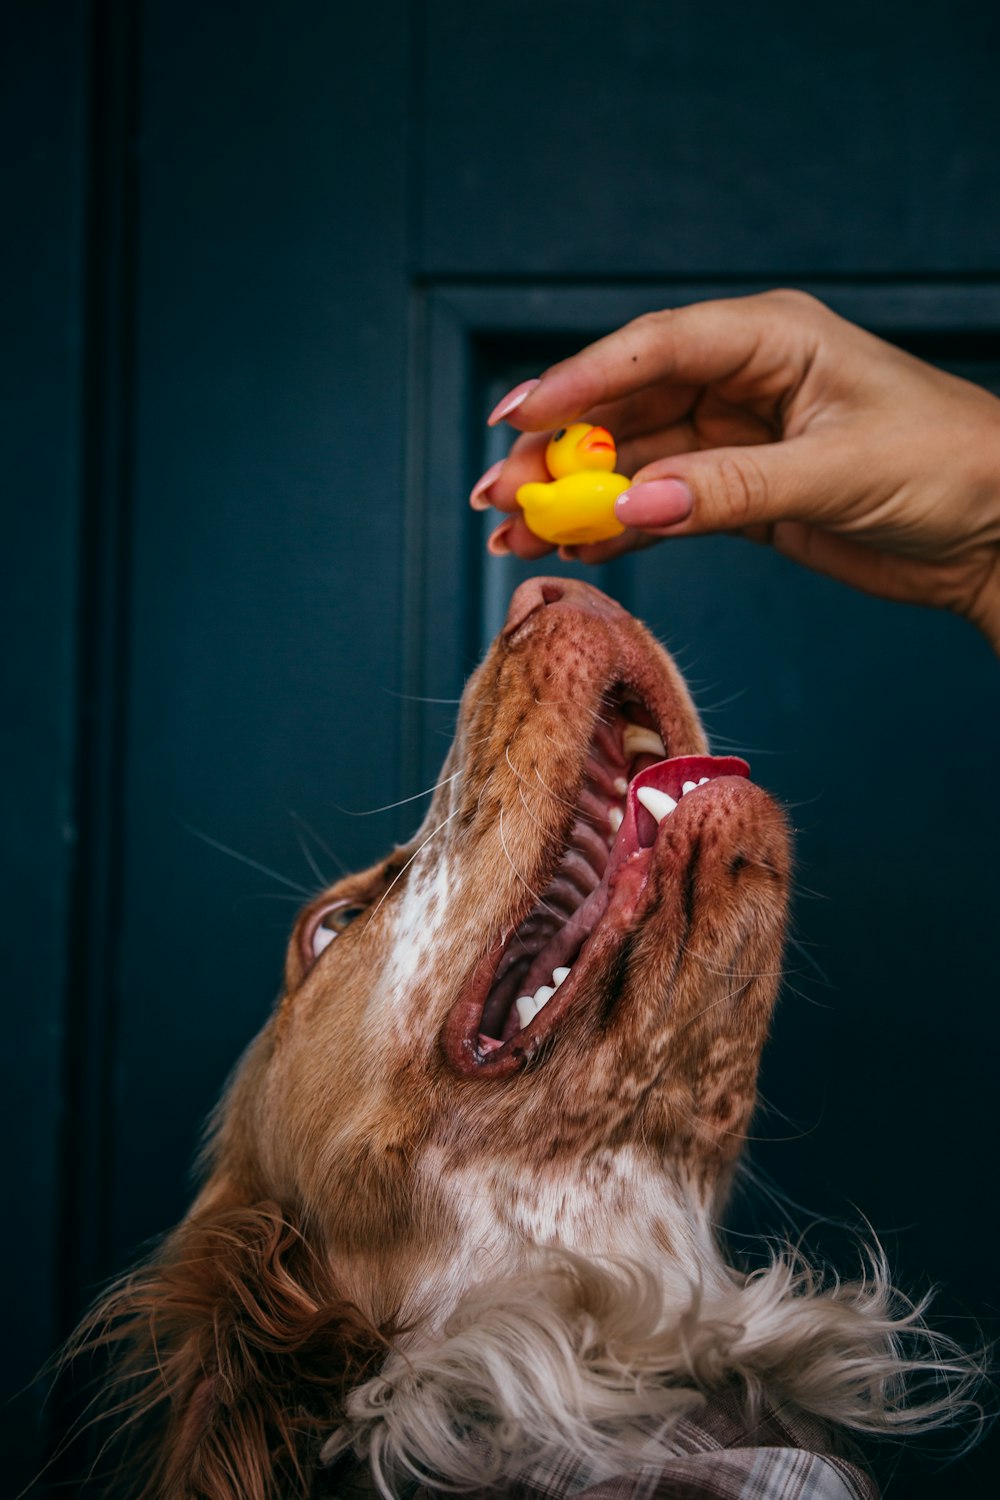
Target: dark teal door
{"type": "Point", "coordinates": [271, 267]}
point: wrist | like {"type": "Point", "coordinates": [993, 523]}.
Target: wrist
{"type": "Point", "coordinates": [984, 611]}
{"type": "Point", "coordinates": [983, 516]}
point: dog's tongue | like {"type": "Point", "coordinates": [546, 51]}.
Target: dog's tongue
{"type": "Point", "coordinates": [666, 782]}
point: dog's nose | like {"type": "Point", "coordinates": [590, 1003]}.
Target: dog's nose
{"type": "Point", "coordinates": [559, 593]}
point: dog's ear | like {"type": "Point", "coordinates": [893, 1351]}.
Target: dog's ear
{"type": "Point", "coordinates": [232, 1354]}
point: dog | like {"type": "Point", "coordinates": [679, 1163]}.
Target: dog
{"type": "Point", "coordinates": [458, 1228]}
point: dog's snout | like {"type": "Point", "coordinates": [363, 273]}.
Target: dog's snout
{"type": "Point", "coordinates": [560, 593]}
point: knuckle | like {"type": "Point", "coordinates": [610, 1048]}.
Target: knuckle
{"type": "Point", "coordinates": [738, 491]}
{"type": "Point", "coordinates": [794, 298]}
{"type": "Point", "coordinates": [650, 337]}
{"type": "Point", "coordinates": [657, 318]}
{"type": "Point", "coordinates": [650, 325]}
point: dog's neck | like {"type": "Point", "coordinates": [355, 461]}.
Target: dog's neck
{"type": "Point", "coordinates": [618, 1204]}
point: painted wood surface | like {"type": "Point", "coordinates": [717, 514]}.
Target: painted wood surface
{"type": "Point", "coordinates": [273, 268]}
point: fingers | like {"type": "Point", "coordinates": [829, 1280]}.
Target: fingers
{"type": "Point", "coordinates": [761, 344]}
{"type": "Point", "coordinates": [526, 464]}
{"type": "Point", "coordinates": [806, 478]}
{"type": "Point", "coordinates": [719, 489]}
{"type": "Point", "coordinates": [514, 536]}
{"type": "Point", "coordinates": [673, 383]}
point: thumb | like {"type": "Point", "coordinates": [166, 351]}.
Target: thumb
{"type": "Point", "coordinates": [728, 489]}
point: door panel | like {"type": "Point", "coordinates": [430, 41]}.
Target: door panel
{"type": "Point", "coordinates": [669, 139]}
{"type": "Point", "coordinates": [264, 666]}
{"type": "Point", "coordinates": [45, 472]}
{"type": "Point", "coordinates": [280, 264]}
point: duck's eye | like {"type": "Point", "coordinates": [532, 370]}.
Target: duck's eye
{"type": "Point", "coordinates": [330, 923]}
{"type": "Point", "coordinates": [560, 434]}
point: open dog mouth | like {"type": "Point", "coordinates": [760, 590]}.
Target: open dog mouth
{"type": "Point", "coordinates": [629, 789]}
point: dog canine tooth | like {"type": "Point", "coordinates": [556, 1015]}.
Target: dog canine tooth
{"type": "Point", "coordinates": [526, 1009]}
{"type": "Point", "coordinates": [658, 803]}
{"type": "Point", "coordinates": [638, 740]}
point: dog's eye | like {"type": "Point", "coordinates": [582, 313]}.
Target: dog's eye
{"type": "Point", "coordinates": [333, 921]}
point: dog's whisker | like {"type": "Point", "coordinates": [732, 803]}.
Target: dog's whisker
{"type": "Point", "coordinates": [813, 963]}
{"type": "Point", "coordinates": [524, 804]}
{"type": "Point", "coordinates": [745, 976]}
{"type": "Point", "coordinates": [711, 708]}
{"type": "Point", "coordinates": [420, 697]}
{"type": "Point", "coordinates": [582, 814]}
{"type": "Point", "coordinates": [267, 896]}
{"type": "Point", "coordinates": [245, 859]}
{"type": "Point", "coordinates": [307, 853]}
{"type": "Point", "coordinates": [420, 847]}
{"type": "Point", "coordinates": [554, 795]}
{"type": "Point", "coordinates": [369, 812]}
{"type": "Point", "coordinates": [800, 994]}
{"type": "Point", "coordinates": [535, 896]}
{"type": "Point", "coordinates": [320, 843]}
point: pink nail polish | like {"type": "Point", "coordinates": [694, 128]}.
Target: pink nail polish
{"type": "Point", "coordinates": [497, 544]}
{"type": "Point", "coordinates": [510, 402]}
{"type": "Point", "coordinates": [660, 502]}
{"type": "Point", "coordinates": [477, 498]}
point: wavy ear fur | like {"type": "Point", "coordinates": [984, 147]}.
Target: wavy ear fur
{"type": "Point", "coordinates": [233, 1353]}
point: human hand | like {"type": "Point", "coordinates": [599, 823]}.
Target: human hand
{"type": "Point", "coordinates": [772, 417]}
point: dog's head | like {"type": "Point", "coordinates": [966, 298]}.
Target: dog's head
{"type": "Point", "coordinates": [539, 1022]}
{"type": "Point", "coordinates": [408, 1097]}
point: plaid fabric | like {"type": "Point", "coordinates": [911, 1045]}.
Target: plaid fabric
{"type": "Point", "coordinates": [713, 1456]}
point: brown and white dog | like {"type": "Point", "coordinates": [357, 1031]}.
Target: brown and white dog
{"type": "Point", "coordinates": [461, 1202]}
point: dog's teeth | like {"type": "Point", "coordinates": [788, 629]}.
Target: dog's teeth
{"type": "Point", "coordinates": [620, 785]}
{"type": "Point", "coordinates": [703, 780]}
{"type": "Point", "coordinates": [615, 816]}
{"type": "Point", "coordinates": [655, 802]}
{"type": "Point", "coordinates": [689, 786]}
{"type": "Point", "coordinates": [637, 740]}
{"type": "Point", "coordinates": [526, 1008]}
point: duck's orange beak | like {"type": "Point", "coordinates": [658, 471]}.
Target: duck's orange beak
{"type": "Point", "coordinates": [597, 440]}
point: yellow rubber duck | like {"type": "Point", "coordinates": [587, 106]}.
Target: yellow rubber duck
{"type": "Point", "coordinates": [579, 503]}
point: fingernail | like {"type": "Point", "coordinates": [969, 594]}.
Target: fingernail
{"type": "Point", "coordinates": [661, 502]}
{"type": "Point", "coordinates": [497, 544]}
{"type": "Point", "coordinates": [510, 402]}
{"type": "Point", "coordinates": [477, 498]}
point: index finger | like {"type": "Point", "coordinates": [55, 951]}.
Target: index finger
{"type": "Point", "coordinates": [757, 345]}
